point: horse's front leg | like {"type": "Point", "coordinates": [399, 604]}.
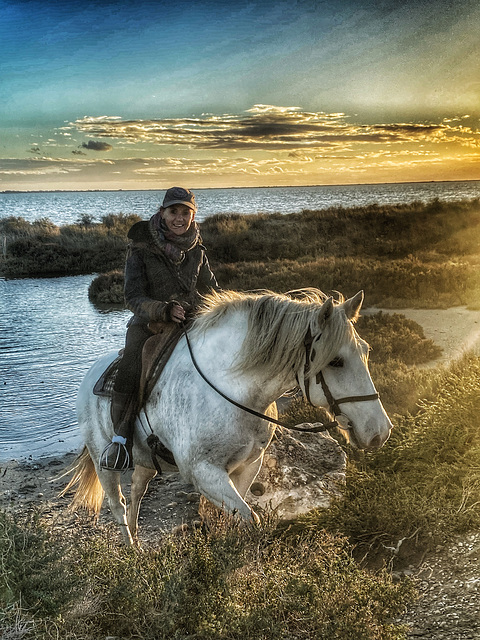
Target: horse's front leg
{"type": "Point", "coordinates": [243, 476]}
{"type": "Point", "coordinates": [141, 476]}
{"type": "Point", "coordinates": [215, 484]}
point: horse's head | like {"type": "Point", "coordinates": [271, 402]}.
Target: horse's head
{"type": "Point", "coordinates": [336, 374]}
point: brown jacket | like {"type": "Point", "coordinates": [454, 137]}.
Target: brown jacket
{"type": "Point", "coordinates": [153, 282]}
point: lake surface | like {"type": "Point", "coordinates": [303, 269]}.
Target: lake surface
{"type": "Point", "coordinates": [68, 207]}
{"type": "Point", "coordinates": [50, 334]}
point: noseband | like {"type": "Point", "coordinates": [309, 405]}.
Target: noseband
{"type": "Point", "coordinates": [333, 403]}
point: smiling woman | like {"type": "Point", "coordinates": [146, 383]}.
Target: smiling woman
{"type": "Point", "coordinates": [166, 271]}
{"type": "Point", "coordinates": [178, 218]}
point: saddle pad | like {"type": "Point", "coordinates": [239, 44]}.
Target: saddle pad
{"type": "Point", "coordinates": [156, 352]}
{"type": "Point", "coordinates": [104, 385]}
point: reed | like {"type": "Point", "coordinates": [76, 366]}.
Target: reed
{"type": "Point", "coordinates": [413, 254]}
{"type": "Point", "coordinates": [416, 255]}
{"type": "Point", "coordinates": [423, 486]}
{"type": "Point", "coordinates": [41, 248]}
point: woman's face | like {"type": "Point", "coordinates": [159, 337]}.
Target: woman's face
{"type": "Point", "coordinates": [178, 218]}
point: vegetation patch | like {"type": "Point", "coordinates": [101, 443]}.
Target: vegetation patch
{"type": "Point", "coordinates": [107, 288]}
{"type": "Point", "coordinates": [394, 337]}
{"type": "Point", "coordinates": [411, 255]}
{"type": "Point", "coordinates": [423, 487]}
{"type": "Point", "coordinates": [41, 248]}
{"type": "Point", "coordinates": [220, 583]}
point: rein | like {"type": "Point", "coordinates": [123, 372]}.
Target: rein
{"type": "Point", "coordinates": [323, 427]}
{"type": "Point", "coordinates": [158, 449]}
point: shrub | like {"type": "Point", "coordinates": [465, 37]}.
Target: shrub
{"type": "Point", "coordinates": [224, 582]}
{"type": "Point", "coordinates": [107, 288]}
{"type": "Point", "coordinates": [32, 567]}
{"type": "Point", "coordinates": [424, 483]}
{"type": "Point", "coordinates": [394, 337]}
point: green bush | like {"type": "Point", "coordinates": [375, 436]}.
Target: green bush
{"type": "Point", "coordinates": [42, 249]}
{"type": "Point", "coordinates": [32, 567]}
{"type": "Point", "coordinates": [107, 288]}
{"type": "Point", "coordinates": [394, 337]}
{"type": "Point", "coordinates": [390, 231]}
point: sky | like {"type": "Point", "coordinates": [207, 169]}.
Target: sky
{"type": "Point", "coordinates": [206, 93]}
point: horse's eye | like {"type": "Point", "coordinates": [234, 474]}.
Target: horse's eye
{"type": "Point", "coordinates": [336, 362]}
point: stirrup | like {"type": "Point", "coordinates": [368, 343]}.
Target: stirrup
{"type": "Point", "coordinates": [115, 456]}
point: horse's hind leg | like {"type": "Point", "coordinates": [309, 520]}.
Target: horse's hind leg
{"type": "Point", "coordinates": [111, 484]}
{"type": "Point", "coordinates": [140, 479]}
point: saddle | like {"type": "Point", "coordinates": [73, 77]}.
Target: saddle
{"type": "Point", "coordinates": [155, 355]}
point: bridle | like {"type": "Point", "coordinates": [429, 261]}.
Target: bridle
{"type": "Point", "coordinates": [332, 402]}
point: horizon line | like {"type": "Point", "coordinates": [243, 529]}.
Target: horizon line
{"type": "Point", "coordinates": [293, 186]}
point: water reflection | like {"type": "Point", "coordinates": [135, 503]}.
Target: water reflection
{"type": "Point", "coordinates": [50, 334]}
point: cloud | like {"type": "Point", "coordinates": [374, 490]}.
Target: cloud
{"type": "Point", "coordinates": [46, 166]}
{"type": "Point", "coordinates": [96, 145]}
{"type": "Point", "coordinates": [272, 128]}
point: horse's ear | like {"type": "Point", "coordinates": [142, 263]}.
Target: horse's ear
{"type": "Point", "coordinates": [353, 305]}
{"type": "Point", "coordinates": [324, 313]}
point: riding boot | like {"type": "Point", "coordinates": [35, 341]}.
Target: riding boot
{"type": "Point", "coordinates": [117, 455]}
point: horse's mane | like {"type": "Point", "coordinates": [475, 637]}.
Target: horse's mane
{"type": "Point", "coordinates": [277, 326]}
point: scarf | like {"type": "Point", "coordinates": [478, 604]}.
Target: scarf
{"type": "Point", "coordinates": [173, 246]}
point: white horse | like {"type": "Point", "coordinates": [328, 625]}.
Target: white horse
{"type": "Point", "coordinates": [253, 348]}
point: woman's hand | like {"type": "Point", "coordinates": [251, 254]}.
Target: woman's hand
{"type": "Point", "coordinates": [177, 313]}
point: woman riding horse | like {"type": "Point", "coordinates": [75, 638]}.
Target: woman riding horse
{"type": "Point", "coordinates": [166, 270]}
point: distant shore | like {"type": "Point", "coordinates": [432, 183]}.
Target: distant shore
{"type": "Point", "coordinates": [264, 186]}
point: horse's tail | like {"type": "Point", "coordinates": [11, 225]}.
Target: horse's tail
{"type": "Point", "coordinates": [89, 493]}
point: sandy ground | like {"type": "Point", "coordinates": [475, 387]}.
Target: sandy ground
{"type": "Point", "coordinates": [456, 330]}
{"type": "Point", "coordinates": [449, 579]}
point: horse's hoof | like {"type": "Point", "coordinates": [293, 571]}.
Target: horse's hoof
{"type": "Point", "coordinates": [255, 519]}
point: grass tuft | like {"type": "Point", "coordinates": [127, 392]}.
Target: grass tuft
{"type": "Point", "coordinates": [425, 482]}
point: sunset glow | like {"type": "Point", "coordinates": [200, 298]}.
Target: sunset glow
{"type": "Point", "coordinates": [119, 96]}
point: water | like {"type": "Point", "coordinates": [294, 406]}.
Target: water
{"type": "Point", "coordinates": [50, 333]}
{"type": "Point", "coordinates": [68, 207]}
